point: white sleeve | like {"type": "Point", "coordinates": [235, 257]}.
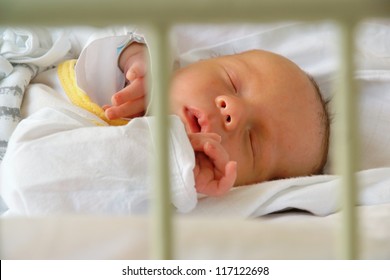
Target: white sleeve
{"type": "Point", "coordinates": [59, 162]}
{"type": "Point", "coordinates": [97, 70]}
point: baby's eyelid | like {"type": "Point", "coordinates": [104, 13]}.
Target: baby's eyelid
{"type": "Point", "coordinates": [252, 146]}
{"type": "Point", "coordinates": [232, 82]}
{"type": "Point", "coordinates": [250, 139]}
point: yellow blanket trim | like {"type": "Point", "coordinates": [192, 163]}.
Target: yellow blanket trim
{"type": "Point", "coordinates": [77, 96]}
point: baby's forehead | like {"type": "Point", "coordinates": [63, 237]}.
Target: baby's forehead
{"type": "Point", "coordinates": [256, 53]}
{"type": "Point", "coordinates": [262, 58]}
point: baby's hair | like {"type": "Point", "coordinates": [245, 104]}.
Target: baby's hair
{"type": "Point", "coordinates": [325, 123]}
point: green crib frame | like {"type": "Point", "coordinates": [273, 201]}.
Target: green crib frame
{"type": "Point", "coordinates": [159, 15]}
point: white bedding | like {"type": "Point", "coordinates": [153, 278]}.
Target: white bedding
{"type": "Point", "coordinates": [58, 161]}
{"type": "Point", "coordinates": [318, 195]}
{"type": "Point", "coordinates": [313, 47]}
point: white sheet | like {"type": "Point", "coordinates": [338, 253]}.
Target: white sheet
{"type": "Point", "coordinates": [318, 195]}
{"type": "Point", "coordinates": [59, 161]}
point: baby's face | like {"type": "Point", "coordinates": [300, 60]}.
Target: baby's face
{"type": "Point", "coordinates": [263, 106]}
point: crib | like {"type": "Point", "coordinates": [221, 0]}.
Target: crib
{"type": "Point", "coordinates": [162, 235]}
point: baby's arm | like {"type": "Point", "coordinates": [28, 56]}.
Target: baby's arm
{"type": "Point", "coordinates": [214, 173]}
{"type": "Point", "coordinates": [130, 102]}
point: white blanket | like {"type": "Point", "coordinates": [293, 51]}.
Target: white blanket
{"type": "Point", "coordinates": [318, 195]}
{"type": "Point", "coordinates": [25, 52]}
{"type": "Point", "coordinates": [11, 95]}
{"type": "Point", "coordinates": [59, 161]}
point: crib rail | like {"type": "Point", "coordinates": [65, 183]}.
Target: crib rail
{"type": "Point", "coordinates": [159, 15]}
{"type": "Point", "coordinates": [103, 12]}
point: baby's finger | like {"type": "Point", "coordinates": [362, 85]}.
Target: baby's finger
{"type": "Point", "coordinates": [132, 109]}
{"type": "Point", "coordinates": [133, 91]}
{"type": "Point", "coordinates": [205, 136]}
{"type": "Point", "coordinates": [204, 173]}
{"type": "Point", "coordinates": [198, 140]}
{"type": "Point", "coordinates": [105, 107]}
{"type": "Point", "coordinates": [218, 187]}
{"type": "Point", "coordinates": [229, 178]}
{"type": "Point", "coordinates": [217, 154]}
{"type": "Point", "coordinates": [137, 70]}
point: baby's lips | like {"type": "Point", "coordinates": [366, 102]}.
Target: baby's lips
{"type": "Point", "coordinates": [198, 120]}
{"type": "Point", "coordinates": [191, 116]}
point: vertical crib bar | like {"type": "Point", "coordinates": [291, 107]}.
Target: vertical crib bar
{"type": "Point", "coordinates": [346, 140]}
{"type": "Point", "coordinates": [161, 234]}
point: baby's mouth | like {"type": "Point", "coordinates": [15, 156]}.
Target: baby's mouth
{"type": "Point", "coordinates": [194, 120]}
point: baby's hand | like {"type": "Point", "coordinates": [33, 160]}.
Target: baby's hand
{"type": "Point", "coordinates": [214, 173]}
{"type": "Point", "coordinates": [130, 102]}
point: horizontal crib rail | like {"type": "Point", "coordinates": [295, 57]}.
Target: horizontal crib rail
{"type": "Point", "coordinates": [103, 12]}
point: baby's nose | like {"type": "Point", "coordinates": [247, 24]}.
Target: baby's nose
{"type": "Point", "coordinates": [231, 111]}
